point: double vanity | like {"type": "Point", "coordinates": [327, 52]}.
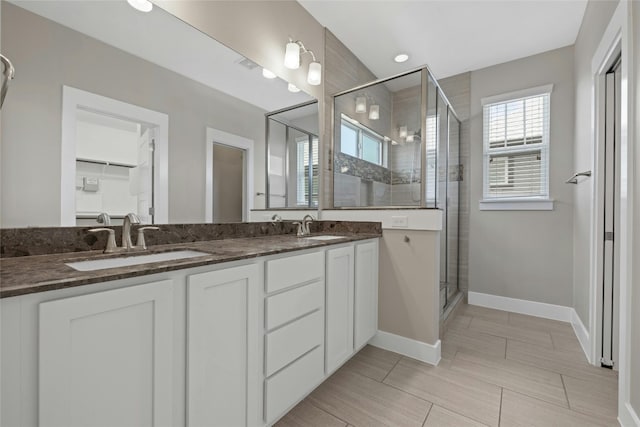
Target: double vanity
{"type": "Point", "coordinates": [231, 332]}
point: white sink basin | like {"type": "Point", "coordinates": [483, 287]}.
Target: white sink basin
{"type": "Point", "coordinates": [324, 237]}
{"type": "Point", "coordinates": [125, 261]}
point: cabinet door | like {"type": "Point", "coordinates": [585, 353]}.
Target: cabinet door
{"type": "Point", "coordinates": [339, 306]}
{"type": "Point", "coordinates": [105, 358]}
{"type": "Point", "coordinates": [366, 293]}
{"type": "Point", "coordinates": [224, 358]}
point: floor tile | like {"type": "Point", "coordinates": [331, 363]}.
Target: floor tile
{"type": "Point", "coordinates": [307, 415]}
{"type": "Point", "coordinates": [595, 397]}
{"type": "Point", "coordinates": [459, 322]}
{"type": "Point", "coordinates": [484, 313]}
{"type": "Point", "coordinates": [532, 381]}
{"type": "Point", "coordinates": [512, 332]}
{"type": "Point", "coordinates": [567, 342]}
{"type": "Point", "coordinates": [373, 362]}
{"type": "Point", "coordinates": [441, 417]}
{"type": "Point", "coordinates": [521, 410]}
{"type": "Point", "coordinates": [456, 340]}
{"type": "Point", "coordinates": [538, 323]}
{"type": "Point", "coordinates": [456, 392]}
{"type": "Point", "coordinates": [560, 361]}
{"type": "Point", "coordinates": [361, 401]}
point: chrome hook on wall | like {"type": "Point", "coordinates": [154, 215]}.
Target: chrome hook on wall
{"type": "Point", "coordinates": [8, 73]}
{"type": "Point", "coordinates": [574, 178]}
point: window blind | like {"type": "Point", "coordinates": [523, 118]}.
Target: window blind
{"type": "Point", "coordinates": [303, 171]}
{"type": "Point", "coordinates": [516, 144]}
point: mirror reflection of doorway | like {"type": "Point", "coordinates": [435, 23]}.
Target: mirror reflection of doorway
{"type": "Point", "coordinates": [228, 183]}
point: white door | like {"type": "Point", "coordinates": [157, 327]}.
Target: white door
{"type": "Point", "coordinates": [339, 306]}
{"type": "Point", "coordinates": [106, 358]}
{"type": "Point", "coordinates": [366, 293]}
{"type": "Point", "coordinates": [223, 348]}
{"type": "Point", "coordinates": [141, 177]}
{"type": "Point", "coordinates": [611, 245]}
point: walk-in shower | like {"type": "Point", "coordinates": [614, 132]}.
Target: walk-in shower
{"type": "Point", "coordinates": [396, 145]}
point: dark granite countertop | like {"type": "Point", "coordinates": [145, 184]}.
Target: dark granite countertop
{"type": "Point", "coordinates": [40, 273]}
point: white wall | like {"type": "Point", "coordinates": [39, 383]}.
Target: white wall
{"type": "Point", "coordinates": [596, 17]}
{"type": "Point", "coordinates": [48, 56]}
{"type": "Point", "coordinates": [525, 254]}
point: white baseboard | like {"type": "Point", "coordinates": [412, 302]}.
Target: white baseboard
{"type": "Point", "coordinates": [514, 305]}
{"type": "Point", "coordinates": [539, 309]}
{"type": "Point", "coordinates": [428, 353]}
{"type": "Point", "coordinates": [583, 335]}
{"type": "Point", "coordinates": [628, 416]}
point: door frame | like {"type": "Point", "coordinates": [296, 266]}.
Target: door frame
{"type": "Point", "coordinates": [616, 40]}
{"type": "Point", "coordinates": [74, 99]}
{"type": "Point", "coordinates": [216, 136]}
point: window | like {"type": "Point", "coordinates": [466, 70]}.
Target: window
{"type": "Point", "coordinates": [304, 171]}
{"type": "Point", "coordinates": [516, 150]}
{"type": "Point", "coordinates": [361, 142]}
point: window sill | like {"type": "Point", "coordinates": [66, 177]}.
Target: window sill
{"type": "Point", "coordinates": [516, 204]}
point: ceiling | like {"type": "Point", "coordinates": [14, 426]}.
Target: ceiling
{"type": "Point", "coordinates": [164, 40]}
{"type": "Point", "coordinates": [450, 36]}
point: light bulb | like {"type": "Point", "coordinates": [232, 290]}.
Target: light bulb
{"type": "Point", "coordinates": [403, 132]}
{"type": "Point", "coordinates": [314, 77]}
{"type": "Point", "coordinates": [268, 74]}
{"type": "Point", "coordinates": [141, 5]}
{"type": "Point", "coordinates": [402, 57]}
{"type": "Point", "coordinates": [361, 104]}
{"type": "Point", "coordinates": [292, 56]}
{"type": "Point", "coordinates": [410, 138]}
{"type": "Point", "coordinates": [374, 112]}
{"type": "Point", "coordinates": [293, 88]}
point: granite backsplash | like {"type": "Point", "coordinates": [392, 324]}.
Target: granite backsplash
{"type": "Point", "coordinates": [15, 242]}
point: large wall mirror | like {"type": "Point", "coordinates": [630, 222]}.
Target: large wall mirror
{"type": "Point", "coordinates": [115, 110]}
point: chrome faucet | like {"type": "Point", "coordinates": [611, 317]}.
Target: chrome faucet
{"type": "Point", "coordinates": [103, 218]}
{"type": "Point", "coordinates": [131, 218]}
{"type": "Point", "coordinates": [305, 224]}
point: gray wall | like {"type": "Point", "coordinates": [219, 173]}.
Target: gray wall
{"type": "Point", "coordinates": [228, 163]}
{"type": "Point", "coordinates": [525, 254]}
{"type": "Point", "coordinates": [49, 56]}
{"type": "Point", "coordinates": [635, 304]}
{"type": "Point", "coordinates": [596, 17]}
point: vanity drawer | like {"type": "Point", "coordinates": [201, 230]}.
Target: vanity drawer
{"type": "Point", "coordinates": [285, 272]}
{"type": "Point", "coordinates": [292, 383]}
{"type": "Point", "coordinates": [286, 344]}
{"type": "Point", "coordinates": [289, 305]}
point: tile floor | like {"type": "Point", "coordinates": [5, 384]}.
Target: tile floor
{"type": "Point", "coordinates": [497, 369]}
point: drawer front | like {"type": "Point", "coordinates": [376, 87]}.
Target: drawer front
{"type": "Point", "coordinates": [291, 384]}
{"type": "Point", "coordinates": [289, 305]}
{"type": "Point", "coordinates": [285, 272]}
{"type": "Point", "coordinates": [286, 344]}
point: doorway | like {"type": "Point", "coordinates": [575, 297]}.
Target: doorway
{"type": "Point", "coordinates": [609, 308]}
{"type": "Point", "coordinates": [228, 183]}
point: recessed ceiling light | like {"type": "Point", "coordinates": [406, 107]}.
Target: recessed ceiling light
{"type": "Point", "coordinates": [402, 57]}
{"type": "Point", "coordinates": [293, 88]}
{"type": "Point", "coordinates": [268, 74]}
{"type": "Point", "coordinates": [141, 5]}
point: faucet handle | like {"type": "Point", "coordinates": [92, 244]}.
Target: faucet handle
{"type": "Point", "coordinates": [111, 240]}
{"type": "Point", "coordinates": [300, 228]}
{"type": "Point", "coordinates": [140, 242]}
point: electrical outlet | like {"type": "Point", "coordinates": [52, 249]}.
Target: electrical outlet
{"type": "Point", "coordinates": [399, 221]}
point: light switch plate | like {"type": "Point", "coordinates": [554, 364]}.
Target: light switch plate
{"type": "Point", "coordinates": [400, 221]}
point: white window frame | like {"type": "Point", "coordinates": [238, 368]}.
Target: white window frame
{"type": "Point", "coordinates": [542, 202]}
{"type": "Point", "coordinates": [361, 131]}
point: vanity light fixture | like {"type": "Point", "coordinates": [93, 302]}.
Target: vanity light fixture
{"type": "Point", "coordinates": [292, 55]}
{"type": "Point", "coordinates": [403, 132]}
{"type": "Point", "coordinates": [293, 88]}
{"type": "Point", "coordinates": [268, 74]}
{"type": "Point", "coordinates": [410, 138]}
{"type": "Point", "coordinates": [394, 142]}
{"type": "Point", "coordinates": [361, 104]}
{"type": "Point", "coordinates": [374, 112]}
{"type": "Point", "coordinates": [141, 5]}
{"type": "Point", "coordinates": [401, 57]}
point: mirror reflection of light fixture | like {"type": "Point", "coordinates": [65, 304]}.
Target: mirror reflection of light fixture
{"type": "Point", "coordinates": [374, 112]}
{"type": "Point", "coordinates": [141, 5]}
{"type": "Point", "coordinates": [394, 142]}
{"type": "Point", "coordinates": [292, 55]}
{"type": "Point", "coordinates": [361, 104]}
{"type": "Point", "coordinates": [268, 74]}
{"type": "Point", "coordinates": [293, 88]}
{"type": "Point", "coordinates": [403, 132]}
{"type": "Point", "coordinates": [410, 138]}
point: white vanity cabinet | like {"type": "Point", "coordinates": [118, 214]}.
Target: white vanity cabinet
{"type": "Point", "coordinates": [224, 329]}
{"type": "Point", "coordinates": [366, 293]}
{"type": "Point", "coordinates": [105, 358]}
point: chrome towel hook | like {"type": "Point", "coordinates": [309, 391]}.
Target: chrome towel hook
{"type": "Point", "coordinates": [574, 178]}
